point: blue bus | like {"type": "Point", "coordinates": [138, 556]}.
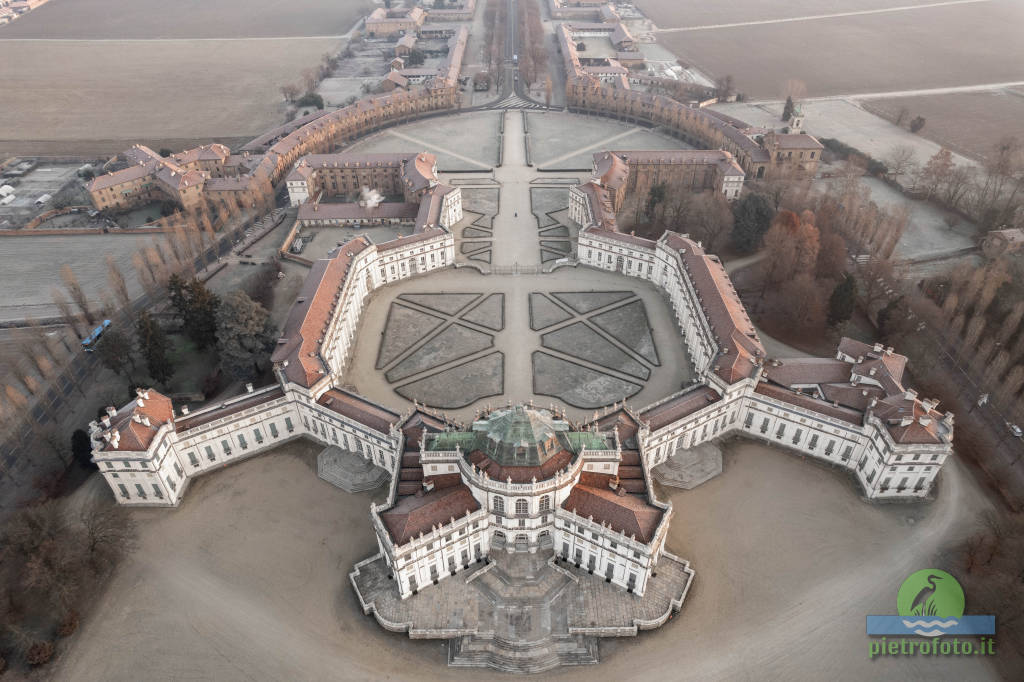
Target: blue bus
{"type": "Point", "coordinates": [89, 342]}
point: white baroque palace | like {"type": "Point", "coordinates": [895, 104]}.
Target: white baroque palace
{"type": "Point", "coordinates": [522, 478]}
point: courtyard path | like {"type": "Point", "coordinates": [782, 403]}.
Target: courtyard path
{"type": "Point", "coordinates": [600, 144]}
{"type": "Point", "coordinates": [817, 17]}
{"type": "Point", "coordinates": [428, 145]}
{"type": "Point", "coordinates": [886, 94]}
{"type": "Point", "coordinates": [515, 230]}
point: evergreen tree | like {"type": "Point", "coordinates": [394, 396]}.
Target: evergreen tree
{"type": "Point", "coordinates": [115, 351]}
{"type": "Point", "coordinates": [752, 216]}
{"type": "Point", "coordinates": [197, 307]}
{"type": "Point", "coordinates": [655, 196]}
{"type": "Point", "coordinates": [153, 345]}
{"type": "Point", "coordinates": [842, 301]}
{"type": "Point", "coordinates": [245, 335]}
{"type": "Point", "coordinates": [81, 448]}
{"type": "Point", "coordinates": [787, 110]}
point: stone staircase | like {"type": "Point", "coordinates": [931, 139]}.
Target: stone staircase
{"type": "Point", "coordinates": [524, 628]}
{"type": "Point", "coordinates": [478, 651]}
{"type": "Point", "coordinates": [349, 471]}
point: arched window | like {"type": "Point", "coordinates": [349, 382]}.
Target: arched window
{"type": "Point", "coordinates": [545, 503]}
{"type": "Point", "coordinates": [522, 507]}
{"type": "Point", "coordinates": [499, 504]}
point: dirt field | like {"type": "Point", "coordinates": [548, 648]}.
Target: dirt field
{"type": "Point", "coordinates": [247, 579]}
{"type": "Point", "coordinates": [929, 48]}
{"type": "Point", "coordinates": [678, 13]}
{"type": "Point", "coordinates": [188, 19]}
{"type": "Point", "coordinates": [144, 91]}
{"type": "Point", "coordinates": [31, 268]}
{"type": "Point", "coordinates": [971, 124]}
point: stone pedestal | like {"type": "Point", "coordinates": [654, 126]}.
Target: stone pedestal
{"type": "Point", "coordinates": [688, 468]}
{"type": "Point", "coordinates": [349, 471]}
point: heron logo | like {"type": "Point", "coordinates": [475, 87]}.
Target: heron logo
{"type": "Point", "coordinates": [930, 603]}
{"type": "Point", "coordinates": [930, 592]}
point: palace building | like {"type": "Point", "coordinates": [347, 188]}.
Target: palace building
{"type": "Point", "coordinates": [521, 478]}
{"type": "Point", "coordinates": [426, 202]}
{"type": "Point", "coordinates": [619, 174]}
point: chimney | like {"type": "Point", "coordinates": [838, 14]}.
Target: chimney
{"type": "Point", "coordinates": [136, 418]}
{"type": "Point", "coordinates": [184, 410]}
{"type": "Point", "coordinates": [111, 411]}
{"type": "Point", "coordinates": [924, 421]}
{"type": "Point", "coordinates": [105, 419]}
{"type": "Point", "coordinates": [145, 420]}
{"type": "Point", "coordinates": [140, 403]}
{"type": "Point", "coordinates": [871, 372]}
{"type": "Point", "coordinates": [248, 388]}
{"type": "Point", "coordinates": [910, 394]}
{"type": "Point", "coordinates": [906, 421]}
{"type": "Point", "coordinates": [878, 348]}
{"type": "Point", "coordinates": [928, 404]}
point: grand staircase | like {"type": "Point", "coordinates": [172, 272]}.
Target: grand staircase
{"type": "Point", "coordinates": [524, 623]}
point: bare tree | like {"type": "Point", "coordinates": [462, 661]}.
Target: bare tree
{"type": "Point", "coordinates": [64, 306]}
{"type": "Point", "coordinates": [901, 160]}
{"type": "Point", "coordinates": [115, 278]}
{"type": "Point", "coordinates": [76, 292]}
{"type": "Point", "coordinates": [109, 534]}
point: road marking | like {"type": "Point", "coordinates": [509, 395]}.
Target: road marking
{"type": "Point", "coordinates": [816, 17]}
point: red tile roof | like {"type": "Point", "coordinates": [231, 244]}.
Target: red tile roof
{"type": "Point", "coordinates": [359, 409]}
{"type": "Point", "coordinates": [226, 409]}
{"type": "Point", "coordinates": [523, 474]}
{"type": "Point", "coordinates": [300, 340]}
{"type": "Point", "coordinates": [129, 423]}
{"type": "Point", "coordinates": [630, 515]}
{"type": "Point", "coordinates": [684, 404]}
{"type": "Point", "coordinates": [415, 514]}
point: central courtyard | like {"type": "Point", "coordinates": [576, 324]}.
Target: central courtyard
{"type": "Point", "coordinates": [587, 349]}
{"type": "Point", "coordinates": [459, 340]}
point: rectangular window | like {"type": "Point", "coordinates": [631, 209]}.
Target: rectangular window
{"type": "Point", "coordinates": [140, 490]}
{"type": "Point", "coordinates": [192, 459]}
{"type": "Point", "coordinates": [764, 425]}
{"type": "Point", "coordinates": [209, 454]}
{"type": "Point", "coordinates": [814, 442]}
{"type": "Point", "coordinates": [123, 489]}
{"type": "Point", "coordinates": [258, 435]}
{"type": "Point", "coordinates": [288, 424]}
{"type": "Point", "coordinates": [847, 451]}
{"type": "Point", "coordinates": [241, 442]}
{"type": "Point", "coordinates": [177, 470]}
{"type": "Point", "coordinates": [796, 436]}
{"type": "Point", "coordinates": [157, 491]}
{"type": "Point", "coordinates": [781, 431]}
{"type": "Point", "coordinates": [226, 447]}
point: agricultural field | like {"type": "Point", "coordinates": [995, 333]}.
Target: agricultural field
{"type": "Point", "coordinates": [32, 269]}
{"type": "Point", "coordinates": [968, 123]}
{"type": "Point", "coordinates": [60, 96]}
{"type": "Point", "coordinates": [89, 77]}
{"type": "Point", "coordinates": [932, 47]}
{"type": "Point", "coordinates": [140, 19]}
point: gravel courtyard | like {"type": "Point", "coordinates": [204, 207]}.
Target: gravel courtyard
{"type": "Point", "coordinates": [247, 580]}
